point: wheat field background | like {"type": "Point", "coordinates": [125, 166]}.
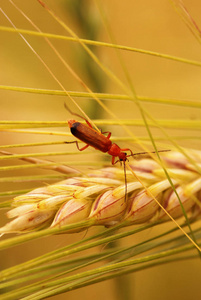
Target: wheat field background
{"type": "Point", "coordinates": [148, 25]}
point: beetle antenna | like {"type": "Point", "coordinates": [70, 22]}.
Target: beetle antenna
{"type": "Point", "coordinates": [139, 153]}
{"type": "Point", "coordinates": [124, 162]}
{"type": "Point", "coordinates": [73, 113]}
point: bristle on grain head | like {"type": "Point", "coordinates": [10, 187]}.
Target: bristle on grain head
{"type": "Point", "coordinates": [101, 196]}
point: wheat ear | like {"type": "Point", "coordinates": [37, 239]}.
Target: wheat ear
{"type": "Point", "coordinates": [100, 196]}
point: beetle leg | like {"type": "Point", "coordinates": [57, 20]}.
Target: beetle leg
{"type": "Point", "coordinates": [81, 149]}
{"type": "Point", "coordinates": [113, 160]}
{"type": "Point", "coordinates": [75, 142]}
{"type": "Point", "coordinates": [109, 133]}
{"type": "Point", "coordinates": [127, 149]}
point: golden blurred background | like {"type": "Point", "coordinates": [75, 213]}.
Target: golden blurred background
{"type": "Point", "coordinates": [148, 25]}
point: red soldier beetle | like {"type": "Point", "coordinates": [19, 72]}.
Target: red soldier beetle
{"type": "Point", "coordinates": [96, 139]}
